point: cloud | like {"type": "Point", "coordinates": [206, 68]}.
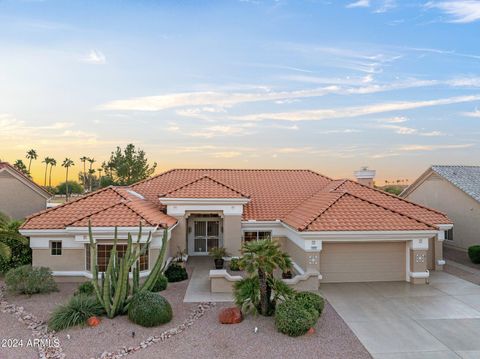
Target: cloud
{"type": "Point", "coordinates": [348, 112]}
{"type": "Point", "coordinates": [403, 130]}
{"type": "Point", "coordinates": [459, 11]}
{"type": "Point", "coordinates": [420, 148]}
{"type": "Point", "coordinates": [475, 113]}
{"type": "Point", "coordinates": [95, 57]}
{"type": "Point", "coordinates": [396, 119]}
{"type": "Point", "coordinates": [359, 3]}
{"type": "Point", "coordinates": [346, 130]}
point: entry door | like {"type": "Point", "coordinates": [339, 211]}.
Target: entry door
{"type": "Point", "coordinates": [205, 236]}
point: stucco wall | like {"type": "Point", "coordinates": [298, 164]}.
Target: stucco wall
{"type": "Point", "coordinates": [464, 211]}
{"type": "Point", "coordinates": [178, 238]}
{"type": "Point", "coordinates": [297, 254]}
{"type": "Point", "coordinates": [232, 234]}
{"type": "Point", "coordinates": [70, 260]}
{"type": "Point", "coordinates": [18, 200]}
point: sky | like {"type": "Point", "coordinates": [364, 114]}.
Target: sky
{"type": "Point", "coordinates": [325, 85]}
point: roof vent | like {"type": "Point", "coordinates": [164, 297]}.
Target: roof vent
{"type": "Point", "coordinates": [136, 194]}
{"type": "Point", "coordinates": [365, 176]}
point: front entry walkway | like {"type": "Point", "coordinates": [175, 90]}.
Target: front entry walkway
{"type": "Point", "coordinates": [199, 287]}
{"type": "Point", "coordinates": [398, 320]}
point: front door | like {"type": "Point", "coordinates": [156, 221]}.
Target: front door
{"type": "Point", "coordinates": [206, 235]}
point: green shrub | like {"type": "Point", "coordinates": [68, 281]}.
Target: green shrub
{"type": "Point", "coordinates": [246, 293]}
{"type": "Point", "coordinates": [149, 309]}
{"type": "Point", "coordinates": [30, 280]}
{"type": "Point", "coordinates": [21, 255]}
{"type": "Point", "coordinates": [75, 312]}
{"type": "Point", "coordinates": [234, 265]}
{"type": "Point", "coordinates": [293, 319]}
{"type": "Point", "coordinates": [311, 301]}
{"type": "Point", "coordinates": [176, 273]}
{"type": "Point", "coordinates": [474, 254]}
{"type": "Point", "coordinates": [160, 284]}
{"type": "Point", "coordinates": [85, 288]}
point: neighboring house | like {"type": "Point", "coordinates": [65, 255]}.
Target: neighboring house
{"type": "Point", "coordinates": [335, 230]}
{"type": "Point", "coordinates": [19, 195]}
{"type": "Point", "coordinates": [454, 190]}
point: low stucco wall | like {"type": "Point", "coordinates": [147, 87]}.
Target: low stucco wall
{"type": "Point", "coordinates": [70, 260]}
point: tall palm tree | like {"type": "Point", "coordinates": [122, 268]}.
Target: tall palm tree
{"type": "Point", "coordinates": [31, 155]}
{"type": "Point", "coordinates": [8, 232]}
{"type": "Point", "coordinates": [67, 163]}
{"type": "Point", "coordinates": [53, 162]}
{"type": "Point", "coordinates": [260, 259]}
{"type": "Point", "coordinates": [84, 159]}
{"type": "Point", "coordinates": [47, 161]}
{"type": "Point", "coordinates": [20, 166]}
{"type": "Point", "coordinates": [92, 161]}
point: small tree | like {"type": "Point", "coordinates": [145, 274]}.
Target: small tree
{"type": "Point", "coordinates": [260, 259]}
{"type": "Point", "coordinates": [11, 243]}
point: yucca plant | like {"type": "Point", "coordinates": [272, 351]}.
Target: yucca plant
{"type": "Point", "coordinates": [113, 289]}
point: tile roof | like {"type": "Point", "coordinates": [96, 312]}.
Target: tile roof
{"type": "Point", "coordinates": [303, 199]}
{"type": "Point", "coordinates": [28, 180]}
{"type": "Point", "coordinates": [467, 178]}
{"type": "Point", "coordinates": [204, 187]}
{"type": "Point", "coordinates": [106, 207]}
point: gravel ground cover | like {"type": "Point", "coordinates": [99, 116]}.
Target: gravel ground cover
{"type": "Point", "coordinates": [201, 337]}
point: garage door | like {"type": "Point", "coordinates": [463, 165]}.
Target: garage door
{"type": "Point", "coordinates": [362, 262]}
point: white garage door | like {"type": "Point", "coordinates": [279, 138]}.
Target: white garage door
{"type": "Point", "coordinates": [362, 262]}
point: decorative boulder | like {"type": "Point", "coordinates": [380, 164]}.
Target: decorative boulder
{"type": "Point", "coordinates": [230, 316]}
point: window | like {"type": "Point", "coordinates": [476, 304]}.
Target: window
{"type": "Point", "coordinates": [449, 234]}
{"type": "Point", "coordinates": [56, 248]}
{"type": "Point", "coordinates": [103, 256]}
{"type": "Point", "coordinates": [256, 235]}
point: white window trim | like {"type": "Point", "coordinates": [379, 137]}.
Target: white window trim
{"type": "Point", "coordinates": [51, 248]}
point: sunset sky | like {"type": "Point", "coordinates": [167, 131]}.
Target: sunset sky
{"type": "Point", "coordinates": [325, 85]}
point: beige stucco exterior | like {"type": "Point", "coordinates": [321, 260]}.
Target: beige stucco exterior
{"type": "Point", "coordinates": [70, 260]}
{"type": "Point", "coordinates": [363, 261]}
{"type": "Point", "coordinates": [232, 234]}
{"type": "Point", "coordinates": [178, 240]}
{"type": "Point", "coordinates": [463, 210]}
{"type": "Point", "coordinates": [17, 199]}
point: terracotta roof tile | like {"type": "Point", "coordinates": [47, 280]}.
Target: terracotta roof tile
{"type": "Point", "coordinates": [204, 187]}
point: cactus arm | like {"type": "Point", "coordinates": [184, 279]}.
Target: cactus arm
{"type": "Point", "coordinates": [158, 266]}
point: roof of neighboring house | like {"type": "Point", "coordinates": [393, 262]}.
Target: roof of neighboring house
{"type": "Point", "coordinates": [302, 199]}
{"type": "Point", "coordinates": [466, 178]}
{"type": "Point", "coordinates": [5, 166]}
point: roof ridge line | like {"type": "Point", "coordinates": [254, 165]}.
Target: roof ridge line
{"type": "Point", "coordinates": [305, 226]}
{"type": "Point", "coordinates": [397, 197]}
{"type": "Point", "coordinates": [96, 212]}
{"type": "Point", "coordinates": [390, 209]}
{"type": "Point", "coordinates": [48, 210]}
{"type": "Point", "coordinates": [210, 178]}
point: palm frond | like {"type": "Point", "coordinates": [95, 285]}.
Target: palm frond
{"type": "Point", "coordinates": [5, 251]}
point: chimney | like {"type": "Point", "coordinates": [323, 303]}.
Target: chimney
{"type": "Point", "coordinates": [365, 176]}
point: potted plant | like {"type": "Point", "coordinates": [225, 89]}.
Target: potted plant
{"type": "Point", "coordinates": [234, 265]}
{"type": "Point", "coordinates": [218, 253]}
{"type": "Point", "coordinates": [181, 257]}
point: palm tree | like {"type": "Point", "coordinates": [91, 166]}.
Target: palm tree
{"type": "Point", "coordinates": [31, 155]}
{"type": "Point", "coordinates": [53, 162]}
{"type": "Point", "coordinates": [84, 159]}
{"type": "Point", "coordinates": [92, 161]}
{"type": "Point", "coordinates": [67, 163]}
{"type": "Point", "coordinates": [260, 259]}
{"type": "Point", "coordinates": [47, 161]}
{"type": "Point", "coordinates": [20, 166]}
{"type": "Point", "coordinates": [9, 232]}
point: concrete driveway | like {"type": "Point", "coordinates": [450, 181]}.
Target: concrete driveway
{"type": "Point", "coordinates": [398, 320]}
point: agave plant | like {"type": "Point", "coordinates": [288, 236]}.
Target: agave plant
{"type": "Point", "coordinates": [114, 290]}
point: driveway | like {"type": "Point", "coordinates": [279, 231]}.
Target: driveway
{"type": "Point", "coordinates": [398, 320]}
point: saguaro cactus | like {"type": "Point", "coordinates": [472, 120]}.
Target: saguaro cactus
{"type": "Point", "coordinates": [114, 290]}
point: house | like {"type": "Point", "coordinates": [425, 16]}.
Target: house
{"type": "Point", "coordinates": [19, 195]}
{"type": "Point", "coordinates": [454, 190]}
{"type": "Point", "coordinates": [334, 230]}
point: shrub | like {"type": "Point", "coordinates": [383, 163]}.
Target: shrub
{"type": "Point", "coordinates": [175, 273]}
{"type": "Point", "coordinates": [234, 265]}
{"type": "Point", "coordinates": [30, 280]}
{"type": "Point", "coordinates": [21, 255]}
{"type": "Point", "coordinates": [85, 288]}
{"type": "Point", "coordinates": [246, 293]}
{"type": "Point", "coordinates": [75, 312]}
{"type": "Point", "coordinates": [474, 254]}
{"type": "Point", "coordinates": [311, 301]}
{"type": "Point", "coordinates": [149, 309]}
{"type": "Point", "coordinates": [160, 284]}
{"type": "Point", "coordinates": [293, 319]}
